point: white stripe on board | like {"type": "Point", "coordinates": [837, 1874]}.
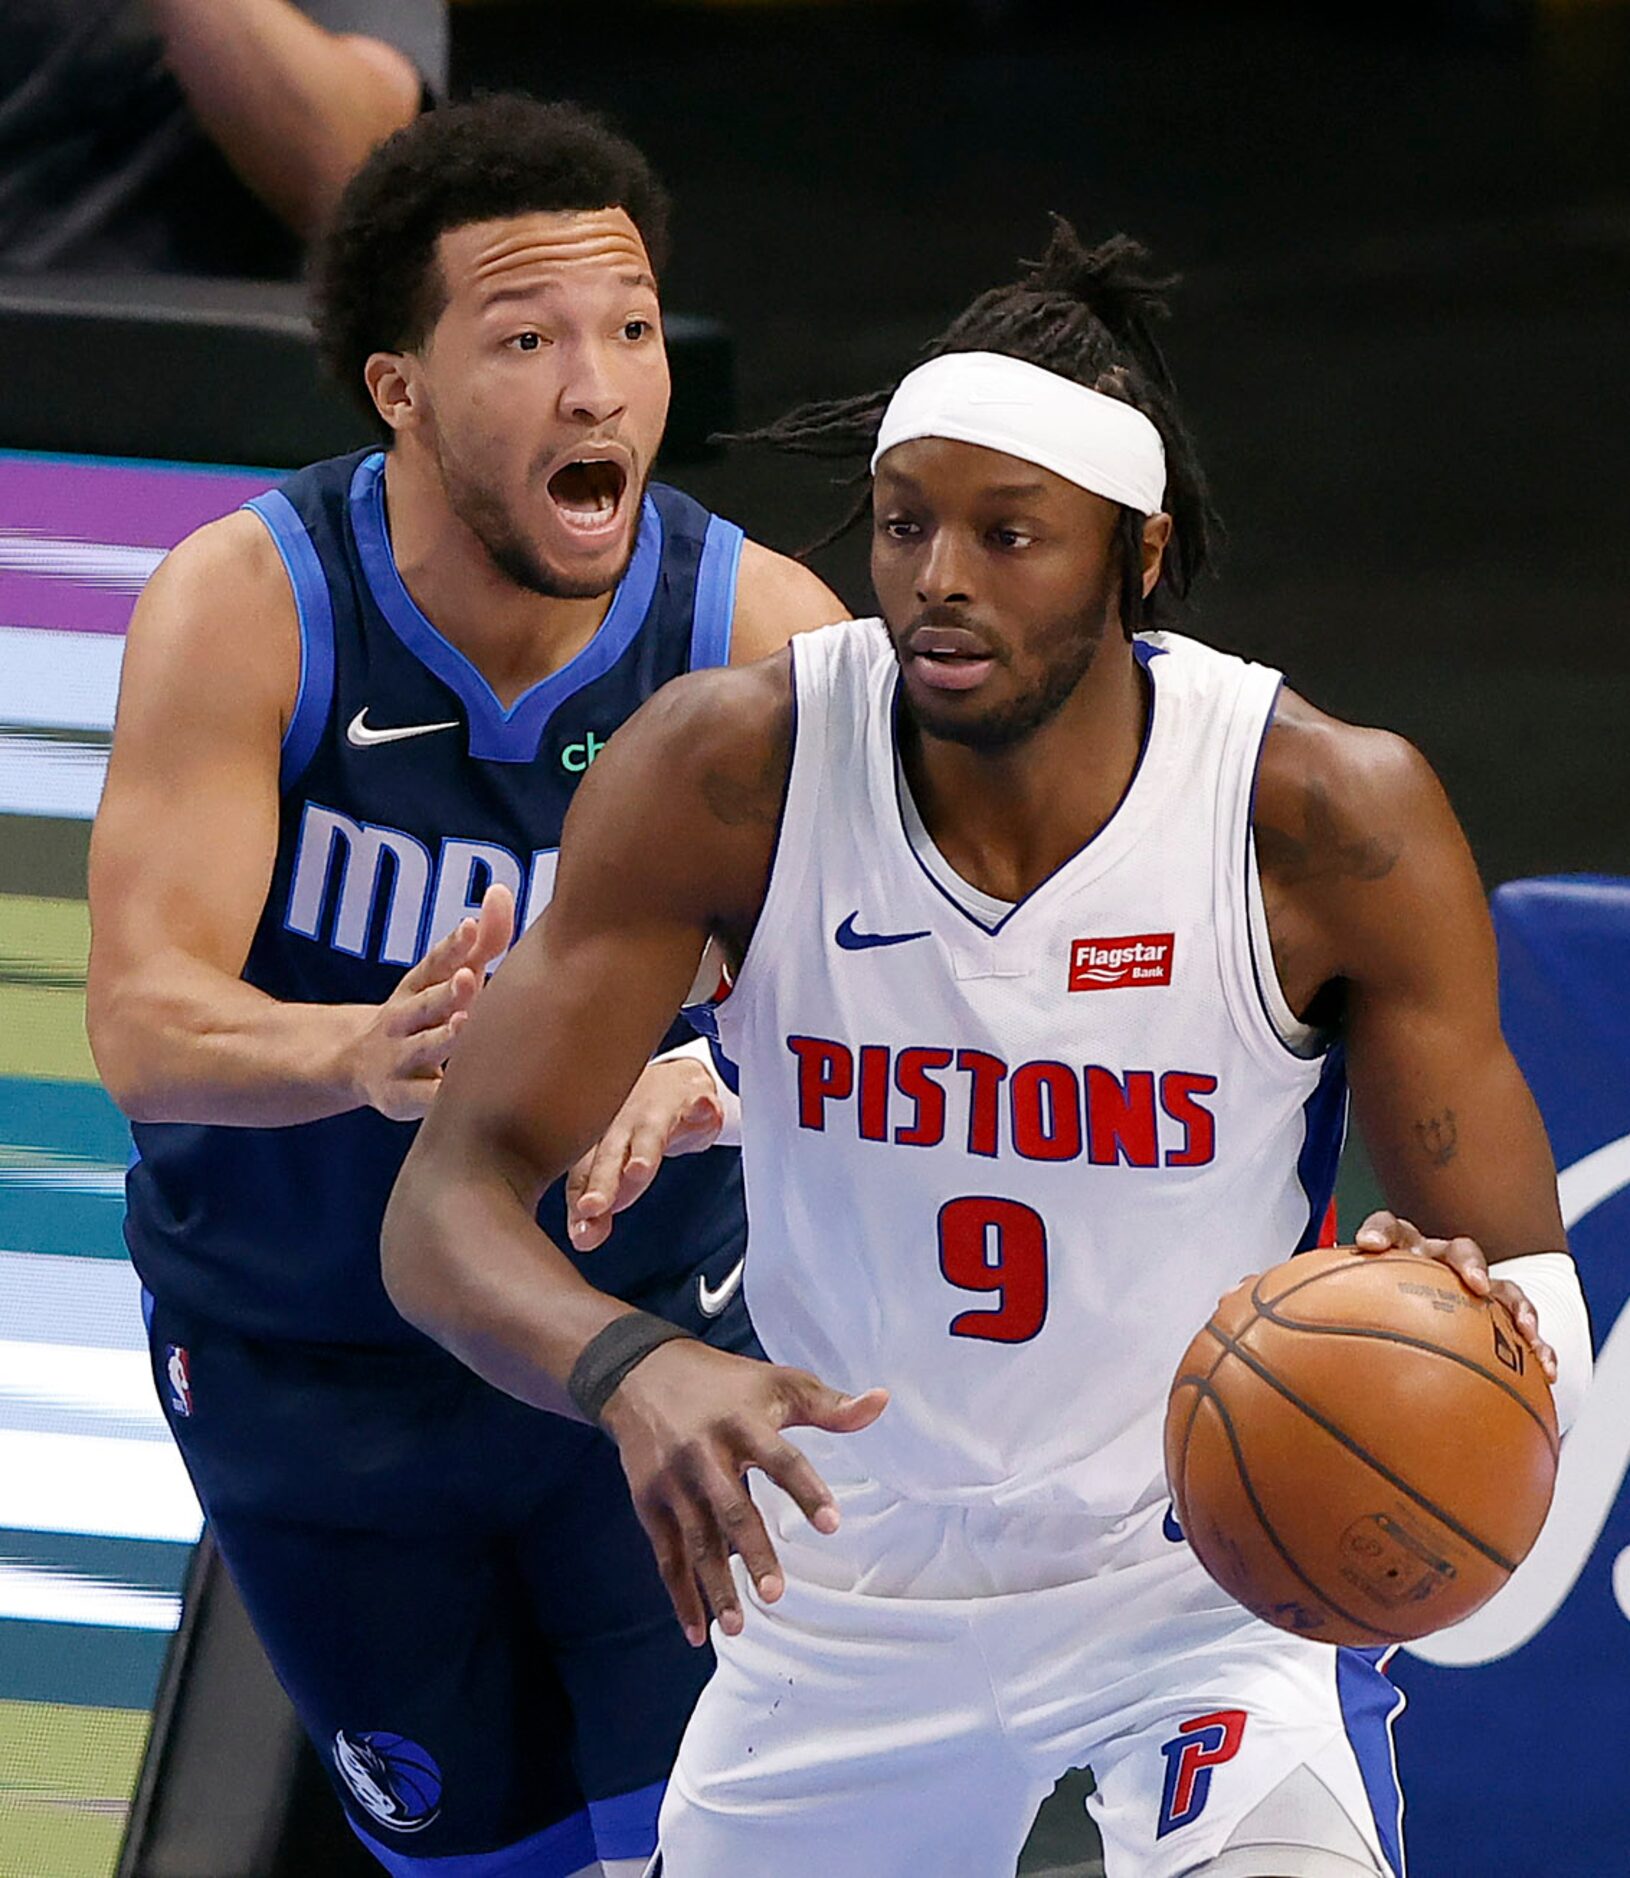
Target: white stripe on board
{"type": "Point", "coordinates": [40, 776]}
{"type": "Point", "coordinates": [111, 565]}
{"type": "Point", "coordinates": [42, 1594]}
{"type": "Point", "coordinates": [60, 680]}
{"type": "Point", "coordinates": [95, 1484]}
{"type": "Point", "coordinates": [115, 1384]}
{"type": "Point", "coordinates": [87, 1302]}
{"type": "Point", "coordinates": [85, 1178]}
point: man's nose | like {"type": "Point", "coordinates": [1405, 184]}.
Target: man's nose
{"type": "Point", "coordinates": [944, 574]}
{"type": "Point", "coordinates": [591, 392]}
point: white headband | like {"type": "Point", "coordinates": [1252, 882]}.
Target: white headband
{"type": "Point", "coordinates": [1090, 439]}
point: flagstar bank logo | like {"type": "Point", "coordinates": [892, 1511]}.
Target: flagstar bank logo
{"type": "Point", "coordinates": [1143, 958]}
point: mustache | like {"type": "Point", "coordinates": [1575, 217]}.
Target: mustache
{"type": "Point", "coordinates": [954, 618]}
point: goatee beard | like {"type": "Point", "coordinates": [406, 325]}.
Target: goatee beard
{"type": "Point", "coordinates": [484, 513]}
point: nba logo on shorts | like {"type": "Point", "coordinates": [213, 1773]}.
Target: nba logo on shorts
{"type": "Point", "coordinates": [1197, 1747]}
{"type": "Point", "coordinates": [175, 1368]}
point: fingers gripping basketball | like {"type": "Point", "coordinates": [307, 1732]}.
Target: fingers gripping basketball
{"type": "Point", "coordinates": [1359, 1449]}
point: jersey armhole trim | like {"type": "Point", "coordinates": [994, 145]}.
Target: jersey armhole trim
{"type": "Point", "coordinates": [785, 878]}
{"type": "Point", "coordinates": [315, 612]}
{"type": "Point", "coordinates": [1266, 1020]}
{"type": "Point", "coordinates": [713, 609]}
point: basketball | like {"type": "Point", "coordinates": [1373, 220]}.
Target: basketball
{"type": "Point", "coordinates": [1359, 1450]}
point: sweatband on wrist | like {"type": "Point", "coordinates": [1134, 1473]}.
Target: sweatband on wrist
{"type": "Point", "coordinates": [1551, 1282]}
{"type": "Point", "coordinates": [699, 1050]}
{"type": "Point", "coordinates": [610, 1354]}
{"type": "Point", "coordinates": [1091, 439]}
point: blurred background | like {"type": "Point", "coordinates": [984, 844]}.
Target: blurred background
{"type": "Point", "coordinates": [1401, 338]}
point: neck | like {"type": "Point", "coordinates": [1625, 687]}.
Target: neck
{"type": "Point", "coordinates": [512, 636]}
{"type": "Point", "coordinates": [1008, 819]}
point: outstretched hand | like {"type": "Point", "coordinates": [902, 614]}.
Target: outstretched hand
{"type": "Point", "coordinates": [1386, 1232]}
{"type": "Point", "coordinates": [689, 1421]}
{"type": "Point", "coordinates": [674, 1108]}
{"type": "Point", "coordinates": [406, 1042]}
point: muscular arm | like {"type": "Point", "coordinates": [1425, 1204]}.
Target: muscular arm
{"type": "Point", "coordinates": [293, 108]}
{"type": "Point", "coordinates": [1369, 881]}
{"type": "Point", "coordinates": [668, 840]}
{"type": "Point", "coordinates": [181, 857]}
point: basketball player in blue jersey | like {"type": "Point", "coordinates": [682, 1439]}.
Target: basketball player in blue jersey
{"type": "Point", "coordinates": [351, 721]}
{"type": "Point", "coordinates": [1056, 943]}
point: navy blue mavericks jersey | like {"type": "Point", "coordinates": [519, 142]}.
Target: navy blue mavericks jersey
{"type": "Point", "coordinates": [406, 790]}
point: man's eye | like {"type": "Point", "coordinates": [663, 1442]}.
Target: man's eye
{"type": "Point", "coordinates": [1014, 538]}
{"type": "Point", "coordinates": [527, 342]}
{"type": "Point", "coordinates": [897, 528]}
{"type": "Point", "coordinates": [636, 329]}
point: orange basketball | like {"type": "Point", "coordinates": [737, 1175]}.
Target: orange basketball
{"type": "Point", "coordinates": [1359, 1450]}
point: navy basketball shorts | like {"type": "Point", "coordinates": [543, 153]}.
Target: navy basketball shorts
{"type": "Point", "coordinates": [452, 1587]}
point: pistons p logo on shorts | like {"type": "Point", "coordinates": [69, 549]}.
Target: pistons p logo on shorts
{"type": "Point", "coordinates": [1198, 1746]}
{"type": "Point", "coordinates": [175, 1371]}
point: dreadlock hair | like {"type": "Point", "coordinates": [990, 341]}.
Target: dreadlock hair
{"type": "Point", "coordinates": [1087, 314]}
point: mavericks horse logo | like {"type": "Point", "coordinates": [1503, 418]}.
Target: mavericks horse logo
{"type": "Point", "coordinates": [393, 1780]}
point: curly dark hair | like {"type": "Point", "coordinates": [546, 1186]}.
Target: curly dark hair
{"type": "Point", "coordinates": [376, 286]}
{"type": "Point", "coordinates": [1087, 314]}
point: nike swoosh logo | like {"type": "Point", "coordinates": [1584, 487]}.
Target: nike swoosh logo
{"type": "Point", "coordinates": [711, 1299]}
{"type": "Point", "coordinates": [1595, 1460]}
{"type": "Point", "coordinates": [358, 733]}
{"type": "Point", "coordinates": [853, 941]}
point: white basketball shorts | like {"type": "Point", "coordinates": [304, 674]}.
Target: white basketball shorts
{"type": "Point", "coordinates": [930, 1671]}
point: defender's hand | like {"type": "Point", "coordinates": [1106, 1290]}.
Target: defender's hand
{"type": "Point", "coordinates": [406, 1041]}
{"type": "Point", "coordinates": [1385, 1232]}
{"type": "Point", "coordinates": [674, 1108]}
{"type": "Point", "coordinates": [689, 1421]}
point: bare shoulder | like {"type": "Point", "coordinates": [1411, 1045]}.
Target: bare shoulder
{"type": "Point", "coordinates": [1338, 801]}
{"type": "Point", "coordinates": [776, 597]}
{"type": "Point", "coordinates": [220, 608]}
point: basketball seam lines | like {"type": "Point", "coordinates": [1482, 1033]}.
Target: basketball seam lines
{"type": "Point", "coordinates": [1203, 1388]}
{"type": "Point", "coordinates": [1258, 1368]}
{"type": "Point", "coordinates": [1268, 1309]}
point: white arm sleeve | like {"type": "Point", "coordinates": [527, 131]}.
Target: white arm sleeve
{"type": "Point", "coordinates": [701, 1051]}
{"type": "Point", "coordinates": [1551, 1281]}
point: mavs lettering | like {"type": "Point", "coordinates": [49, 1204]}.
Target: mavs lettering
{"type": "Point", "coordinates": [374, 891]}
{"type": "Point", "coordinates": [919, 1097]}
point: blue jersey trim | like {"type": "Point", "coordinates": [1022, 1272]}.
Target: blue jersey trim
{"type": "Point", "coordinates": [625, 1826]}
{"type": "Point", "coordinates": [1325, 1121]}
{"type": "Point", "coordinates": [1370, 1704]}
{"type": "Point", "coordinates": [558, 1851]}
{"type": "Point", "coordinates": [713, 610]}
{"type": "Point", "coordinates": [498, 735]}
{"type": "Point", "coordinates": [316, 613]}
{"type": "Point", "coordinates": [704, 1020]}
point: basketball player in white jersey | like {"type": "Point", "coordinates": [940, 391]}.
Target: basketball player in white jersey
{"type": "Point", "coordinates": [1055, 944]}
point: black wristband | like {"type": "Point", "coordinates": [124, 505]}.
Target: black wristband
{"type": "Point", "coordinates": [608, 1357]}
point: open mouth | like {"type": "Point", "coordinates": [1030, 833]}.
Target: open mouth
{"type": "Point", "coordinates": [949, 658]}
{"type": "Point", "coordinates": [588, 494]}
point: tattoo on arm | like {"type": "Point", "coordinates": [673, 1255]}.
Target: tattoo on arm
{"type": "Point", "coordinates": [1324, 850]}
{"type": "Point", "coordinates": [749, 792]}
{"type": "Point", "coordinates": [1438, 1137]}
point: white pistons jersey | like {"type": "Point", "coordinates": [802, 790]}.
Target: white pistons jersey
{"type": "Point", "coordinates": [1006, 1171]}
